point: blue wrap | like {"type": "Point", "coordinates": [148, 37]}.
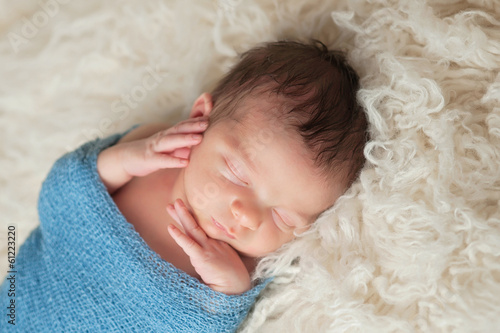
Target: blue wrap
{"type": "Point", "coordinates": [85, 268]}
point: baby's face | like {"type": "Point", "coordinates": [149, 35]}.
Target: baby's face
{"type": "Point", "coordinates": [249, 183]}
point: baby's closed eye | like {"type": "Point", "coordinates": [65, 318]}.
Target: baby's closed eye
{"type": "Point", "coordinates": [282, 221]}
{"type": "Point", "coordinates": [235, 174]}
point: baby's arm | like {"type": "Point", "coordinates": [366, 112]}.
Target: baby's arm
{"type": "Point", "coordinates": [146, 149]}
{"type": "Point", "coordinates": [110, 171]}
{"type": "Point", "coordinates": [138, 154]}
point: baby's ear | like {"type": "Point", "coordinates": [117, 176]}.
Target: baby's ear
{"type": "Point", "coordinates": [202, 106]}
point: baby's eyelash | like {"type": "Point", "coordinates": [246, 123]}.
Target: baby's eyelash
{"type": "Point", "coordinates": [281, 220]}
{"type": "Point", "coordinates": [234, 172]}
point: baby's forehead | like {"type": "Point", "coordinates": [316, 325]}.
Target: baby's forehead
{"type": "Point", "coordinates": [266, 117]}
{"type": "Point", "coordinates": [256, 133]}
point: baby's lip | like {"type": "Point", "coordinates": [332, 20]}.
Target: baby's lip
{"type": "Point", "coordinates": [221, 227]}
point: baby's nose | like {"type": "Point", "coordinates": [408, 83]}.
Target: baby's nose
{"type": "Point", "coordinates": [246, 215]}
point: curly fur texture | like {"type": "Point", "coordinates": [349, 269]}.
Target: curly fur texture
{"type": "Point", "coordinates": [413, 246]}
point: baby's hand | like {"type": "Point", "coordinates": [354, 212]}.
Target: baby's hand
{"type": "Point", "coordinates": [217, 263]}
{"type": "Point", "coordinates": [169, 148]}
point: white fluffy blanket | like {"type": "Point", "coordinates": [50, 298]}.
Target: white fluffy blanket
{"type": "Point", "coordinates": [414, 246]}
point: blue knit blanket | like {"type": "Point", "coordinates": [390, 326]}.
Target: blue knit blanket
{"type": "Point", "coordinates": [85, 268]}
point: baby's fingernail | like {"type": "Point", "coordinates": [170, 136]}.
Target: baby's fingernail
{"type": "Point", "coordinates": [203, 124]}
{"type": "Point", "coordinates": [196, 137]}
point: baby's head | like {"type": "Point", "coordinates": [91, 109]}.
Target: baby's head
{"type": "Point", "coordinates": [285, 140]}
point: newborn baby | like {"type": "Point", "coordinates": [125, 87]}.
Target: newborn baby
{"type": "Point", "coordinates": [275, 144]}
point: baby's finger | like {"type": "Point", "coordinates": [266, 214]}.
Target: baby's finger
{"type": "Point", "coordinates": [192, 125]}
{"type": "Point", "coordinates": [188, 245]}
{"type": "Point", "coordinates": [165, 161]}
{"type": "Point", "coordinates": [181, 153]}
{"type": "Point", "coordinates": [171, 211]}
{"type": "Point", "coordinates": [167, 143]}
{"type": "Point", "coordinates": [189, 224]}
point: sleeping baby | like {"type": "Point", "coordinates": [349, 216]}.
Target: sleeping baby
{"type": "Point", "coordinates": [160, 228]}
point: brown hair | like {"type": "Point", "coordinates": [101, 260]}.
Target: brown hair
{"type": "Point", "coordinates": [320, 90]}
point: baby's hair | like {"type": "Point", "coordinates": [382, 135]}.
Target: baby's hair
{"type": "Point", "coordinates": [317, 93]}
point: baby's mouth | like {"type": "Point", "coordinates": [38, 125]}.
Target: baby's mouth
{"type": "Point", "coordinates": [222, 228]}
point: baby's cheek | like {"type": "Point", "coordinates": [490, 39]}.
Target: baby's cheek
{"type": "Point", "coordinates": [263, 243]}
{"type": "Point", "coordinates": [201, 188]}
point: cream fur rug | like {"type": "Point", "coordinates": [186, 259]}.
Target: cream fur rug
{"type": "Point", "coordinates": [414, 246]}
